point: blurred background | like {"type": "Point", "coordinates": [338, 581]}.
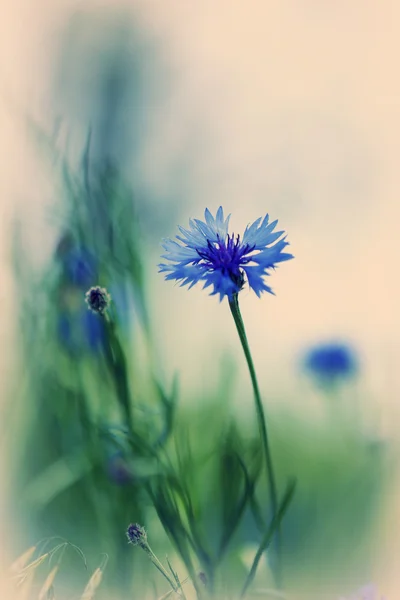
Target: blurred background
{"type": "Point", "coordinates": [119, 122]}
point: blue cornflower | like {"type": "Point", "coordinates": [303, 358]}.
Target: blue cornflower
{"type": "Point", "coordinates": [207, 253]}
{"type": "Point", "coordinates": [331, 362]}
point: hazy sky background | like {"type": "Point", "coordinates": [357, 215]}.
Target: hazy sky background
{"type": "Point", "coordinates": [289, 107]}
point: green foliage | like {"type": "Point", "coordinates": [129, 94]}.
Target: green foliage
{"type": "Point", "coordinates": [98, 439]}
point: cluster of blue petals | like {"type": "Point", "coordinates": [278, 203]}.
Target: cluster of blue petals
{"type": "Point", "coordinates": [208, 254]}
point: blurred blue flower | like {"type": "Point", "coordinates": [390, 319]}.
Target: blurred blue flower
{"type": "Point", "coordinates": [331, 362]}
{"type": "Point", "coordinates": [80, 267]}
{"type": "Point", "coordinates": [78, 329]}
{"type": "Point", "coordinates": [207, 253]}
{"type": "Point", "coordinates": [94, 330]}
{"type": "Point", "coordinates": [81, 330]}
{"type": "Point", "coordinates": [118, 469]}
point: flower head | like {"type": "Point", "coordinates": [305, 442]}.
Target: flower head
{"type": "Point", "coordinates": [97, 299]}
{"type": "Point", "coordinates": [331, 362]}
{"type": "Point", "coordinates": [207, 253]}
{"type": "Point", "coordinates": [137, 535]}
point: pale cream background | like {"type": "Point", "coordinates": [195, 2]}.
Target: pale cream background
{"type": "Point", "coordinates": [300, 102]}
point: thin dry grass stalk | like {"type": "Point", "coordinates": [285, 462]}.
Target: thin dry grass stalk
{"type": "Point", "coordinates": [47, 587]}
{"type": "Point", "coordinates": [92, 585]}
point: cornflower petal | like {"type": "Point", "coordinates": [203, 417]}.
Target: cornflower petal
{"type": "Point", "coordinates": [260, 235]}
{"type": "Point", "coordinates": [178, 253]}
{"type": "Point", "coordinates": [221, 284]}
{"type": "Point", "coordinates": [268, 257]}
{"type": "Point", "coordinates": [192, 238]}
{"type": "Point", "coordinates": [256, 281]}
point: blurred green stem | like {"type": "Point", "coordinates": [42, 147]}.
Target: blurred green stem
{"type": "Point", "coordinates": [266, 540]}
{"type": "Point", "coordinates": [237, 317]}
{"type": "Point", "coordinates": [117, 364]}
{"type": "Point", "coordinates": [159, 566]}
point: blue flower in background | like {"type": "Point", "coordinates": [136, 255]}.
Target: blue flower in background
{"type": "Point", "coordinates": [331, 362]}
{"type": "Point", "coordinates": [78, 329]}
{"type": "Point", "coordinates": [80, 267]}
{"type": "Point", "coordinates": [94, 330]}
{"type": "Point", "coordinates": [81, 331]}
{"type": "Point", "coordinates": [207, 253]}
{"type": "Point", "coordinates": [118, 469]}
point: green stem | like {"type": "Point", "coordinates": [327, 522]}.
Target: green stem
{"type": "Point", "coordinates": [159, 566]}
{"type": "Point", "coordinates": [237, 317]}
{"type": "Point", "coordinates": [287, 498]}
{"type": "Point", "coordinates": [117, 364]}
